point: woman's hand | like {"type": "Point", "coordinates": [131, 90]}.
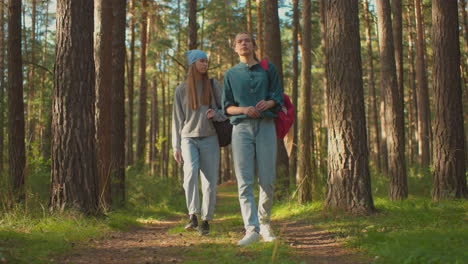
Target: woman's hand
{"type": "Point", "coordinates": [251, 112]}
{"type": "Point", "coordinates": [210, 113]}
{"type": "Point", "coordinates": [178, 157]}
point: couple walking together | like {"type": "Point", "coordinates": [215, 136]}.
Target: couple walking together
{"type": "Point", "coordinates": [251, 98]}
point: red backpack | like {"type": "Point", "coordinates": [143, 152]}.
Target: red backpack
{"type": "Point", "coordinates": [286, 116]}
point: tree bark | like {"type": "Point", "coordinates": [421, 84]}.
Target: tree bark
{"type": "Point", "coordinates": [295, 85]}
{"type": "Point", "coordinates": [32, 115]}
{"type": "Point", "coordinates": [260, 27]}
{"type": "Point", "coordinates": [142, 105]}
{"type": "Point", "coordinates": [44, 116]}
{"type": "Point", "coordinates": [2, 87]}
{"type": "Point", "coordinates": [131, 84]}
{"type": "Point", "coordinates": [74, 169]}
{"type": "Point", "coordinates": [249, 16]}
{"type": "Point", "coordinates": [192, 25]}
{"type": "Point", "coordinates": [398, 188]}
{"type": "Point", "coordinates": [118, 103]}
{"type": "Point", "coordinates": [397, 21]}
{"type": "Point", "coordinates": [273, 53]}
{"type": "Point", "coordinates": [449, 138]}
{"type": "Point", "coordinates": [103, 63]}
{"type": "Point", "coordinates": [16, 130]}
{"type": "Point", "coordinates": [423, 94]}
{"type": "Point", "coordinates": [304, 176]}
{"type": "Point", "coordinates": [348, 186]}
{"type": "Point", "coordinates": [375, 149]}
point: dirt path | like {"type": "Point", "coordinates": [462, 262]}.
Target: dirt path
{"type": "Point", "coordinates": [152, 243]}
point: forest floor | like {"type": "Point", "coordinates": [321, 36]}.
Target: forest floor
{"type": "Point", "coordinates": [165, 241]}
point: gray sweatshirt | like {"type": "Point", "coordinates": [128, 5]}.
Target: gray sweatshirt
{"type": "Point", "coordinates": [193, 123]}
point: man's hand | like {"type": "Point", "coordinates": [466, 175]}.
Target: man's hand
{"type": "Point", "coordinates": [265, 105]}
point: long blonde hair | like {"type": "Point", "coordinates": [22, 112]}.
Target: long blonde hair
{"type": "Point", "coordinates": [192, 100]}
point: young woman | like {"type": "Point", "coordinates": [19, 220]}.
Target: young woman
{"type": "Point", "coordinates": [194, 140]}
{"type": "Point", "coordinates": [252, 98]}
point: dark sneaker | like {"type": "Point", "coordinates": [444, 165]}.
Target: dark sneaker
{"type": "Point", "coordinates": [192, 224]}
{"type": "Point", "coordinates": [204, 228]}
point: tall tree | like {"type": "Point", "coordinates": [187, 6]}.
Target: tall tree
{"type": "Point", "coordinates": [398, 188]}
{"type": "Point", "coordinates": [375, 146]}
{"type": "Point", "coordinates": [248, 8]}
{"type": "Point", "coordinates": [423, 94]}
{"type": "Point", "coordinates": [103, 63]}
{"type": "Point", "coordinates": [348, 186]}
{"type": "Point", "coordinates": [118, 103]}
{"type": "Point", "coordinates": [142, 105]}
{"type": "Point", "coordinates": [260, 28]}
{"type": "Point", "coordinates": [272, 36]}
{"type": "Point", "coordinates": [44, 116]}
{"type": "Point", "coordinates": [304, 168]}
{"type": "Point", "coordinates": [16, 133]}
{"type": "Point", "coordinates": [130, 87]}
{"type": "Point", "coordinates": [294, 95]}
{"type": "Point", "coordinates": [449, 138]}
{"type": "Point", "coordinates": [74, 169]}
{"type": "Point", "coordinates": [397, 21]}
{"type": "Point", "coordinates": [32, 115]}
{"type": "Point", "coordinates": [2, 86]}
{"type": "Point", "coordinates": [192, 25]}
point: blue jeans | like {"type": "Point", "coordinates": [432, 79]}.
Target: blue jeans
{"type": "Point", "coordinates": [254, 150]}
{"type": "Point", "coordinates": [201, 154]}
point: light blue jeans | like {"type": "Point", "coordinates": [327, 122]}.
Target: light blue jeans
{"type": "Point", "coordinates": [201, 155]}
{"type": "Point", "coordinates": [254, 150]}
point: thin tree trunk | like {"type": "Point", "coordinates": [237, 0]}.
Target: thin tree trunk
{"type": "Point", "coordinates": [348, 186]}
{"type": "Point", "coordinates": [294, 95]}
{"type": "Point", "coordinates": [74, 169]}
{"type": "Point", "coordinates": [412, 103]}
{"type": "Point", "coordinates": [423, 94]}
{"type": "Point", "coordinates": [44, 116]}
{"type": "Point", "coordinates": [118, 103]}
{"type": "Point", "coordinates": [449, 138]}
{"type": "Point", "coordinates": [32, 118]}
{"type": "Point", "coordinates": [249, 16]}
{"type": "Point", "coordinates": [375, 149]}
{"type": "Point", "coordinates": [398, 188]}
{"type": "Point", "coordinates": [131, 84]}
{"type": "Point", "coordinates": [304, 171]}
{"type": "Point", "coordinates": [142, 106]}
{"type": "Point", "coordinates": [16, 130]}
{"type": "Point", "coordinates": [192, 25]}
{"type": "Point", "coordinates": [397, 21]}
{"type": "Point", "coordinates": [260, 27]}
{"type": "Point", "coordinates": [2, 86]}
{"type": "Point", "coordinates": [103, 63]}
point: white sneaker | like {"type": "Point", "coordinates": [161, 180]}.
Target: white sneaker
{"type": "Point", "coordinates": [249, 238]}
{"type": "Point", "coordinates": [267, 233]}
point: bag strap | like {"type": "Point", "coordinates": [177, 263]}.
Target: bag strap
{"type": "Point", "coordinates": [212, 95]}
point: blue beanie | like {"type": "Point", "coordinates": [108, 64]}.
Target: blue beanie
{"type": "Point", "coordinates": [194, 55]}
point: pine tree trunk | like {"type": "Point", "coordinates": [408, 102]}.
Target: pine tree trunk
{"type": "Point", "coordinates": [323, 136]}
{"type": "Point", "coordinates": [16, 130]}
{"type": "Point", "coordinates": [294, 95]}
{"type": "Point", "coordinates": [44, 116]}
{"type": "Point", "coordinates": [249, 16]}
{"type": "Point", "coordinates": [142, 106]}
{"type": "Point", "coordinates": [348, 186]}
{"type": "Point", "coordinates": [118, 103]}
{"type": "Point", "coordinates": [304, 169]}
{"type": "Point", "coordinates": [412, 103]}
{"type": "Point", "coordinates": [376, 144]}
{"type": "Point", "coordinates": [2, 87]}
{"type": "Point", "coordinates": [260, 27]}
{"type": "Point", "coordinates": [74, 169]}
{"type": "Point", "coordinates": [449, 142]}
{"type": "Point", "coordinates": [423, 94]}
{"type": "Point", "coordinates": [131, 84]}
{"type": "Point", "coordinates": [397, 21]}
{"type": "Point", "coordinates": [398, 188]}
{"type": "Point", "coordinates": [103, 64]}
{"type": "Point", "coordinates": [192, 25]}
{"type": "Point", "coordinates": [273, 53]}
{"type": "Point", "coordinates": [32, 118]}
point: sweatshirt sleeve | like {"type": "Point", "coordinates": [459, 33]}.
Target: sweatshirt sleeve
{"type": "Point", "coordinates": [219, 115]}
{"type": "Point", "coordinates": [178, 119]}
